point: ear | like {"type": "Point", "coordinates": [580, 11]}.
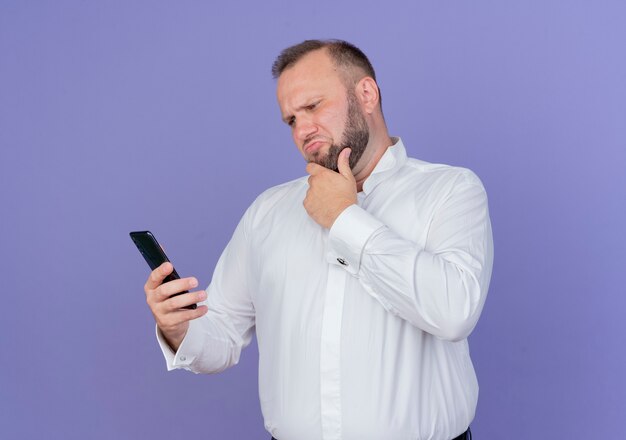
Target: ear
{"type": "Point", "coordinates": [367, 92]}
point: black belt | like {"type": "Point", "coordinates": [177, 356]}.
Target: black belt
{"type": "Point", "coordinates": [467, 435]}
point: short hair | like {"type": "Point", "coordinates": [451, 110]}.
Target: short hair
{"type": "Point", "coordinates": [343, 54]}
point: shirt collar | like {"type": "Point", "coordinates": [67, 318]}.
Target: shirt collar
{"type": "Point", "coordinates": [393, 159]}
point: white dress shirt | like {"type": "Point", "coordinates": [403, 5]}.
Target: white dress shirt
{"type": "Point", "coordinates": [361, 328]}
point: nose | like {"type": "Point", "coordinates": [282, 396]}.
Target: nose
{"type": "Point", "coordinates": [304, 128]}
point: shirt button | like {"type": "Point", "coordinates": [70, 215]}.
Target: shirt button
{"type": "Point", "coordinates": [342, 261]}
{"type": "Point", "coordinates": [183, 358]}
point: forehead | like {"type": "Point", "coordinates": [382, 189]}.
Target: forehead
{"type": "Point", "coordinates": [315, 73]}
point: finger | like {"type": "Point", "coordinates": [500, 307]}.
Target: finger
{"type": "Point", "coordinates": [184, 300]}
{"type": "Point", "coordinates": [343, 163]}
{"type": "Point", "coordinates": [158, 275]}
{"type": "Point", "coordinates": [176, 286]}
{"type": "Point", "coordinates": [183, 315]}
{"type": "Point", "coordinates": [176, 318]}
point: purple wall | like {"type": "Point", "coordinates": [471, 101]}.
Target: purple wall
{"type": "Point", "coordinates": [117, 116]}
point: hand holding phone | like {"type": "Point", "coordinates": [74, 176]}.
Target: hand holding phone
{"type": "Point", "coordinates": [154, 255]}
{"type": "Point", "coordinates": [164, 292]}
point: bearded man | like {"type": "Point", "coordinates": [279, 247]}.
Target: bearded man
{"type": "Point", "coordinates": [362, 280]}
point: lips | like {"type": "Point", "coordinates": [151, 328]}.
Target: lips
{"type": "Point", "coordinates": [313, 146]}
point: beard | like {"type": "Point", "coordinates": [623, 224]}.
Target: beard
{"type": "Point", "coordinates": [355, 136]}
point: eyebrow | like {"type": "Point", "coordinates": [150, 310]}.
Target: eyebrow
{"type": "Point", "coordinates": [308, 102]}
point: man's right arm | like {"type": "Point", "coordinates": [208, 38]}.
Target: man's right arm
{"type": "Point", "coordinates": [226, 312]}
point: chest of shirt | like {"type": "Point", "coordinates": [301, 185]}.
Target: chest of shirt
{"type": "Point", "coordinates": [288, 248]}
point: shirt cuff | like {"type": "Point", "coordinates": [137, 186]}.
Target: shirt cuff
{"type": "Point", "coordinates": [348, 236]}
{"type": "Point", "coordinates": [188, 350]}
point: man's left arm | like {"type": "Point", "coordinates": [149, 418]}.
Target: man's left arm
{"type": "Point", "coordinates": [439, 287]}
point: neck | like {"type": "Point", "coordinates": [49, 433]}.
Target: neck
{"type": "Point", "coordinates": [375, 150]}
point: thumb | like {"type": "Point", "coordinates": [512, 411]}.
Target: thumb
{"type": "Point", "coordinates": [343, 164]}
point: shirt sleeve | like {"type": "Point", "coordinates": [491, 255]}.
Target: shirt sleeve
{"type": "Point", "coordinates": [439, 287]}
{"type": "Point", "coordinates": [214, 341]}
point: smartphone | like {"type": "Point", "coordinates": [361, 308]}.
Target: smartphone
{"type": "Point", "coordinates": [154, 256]}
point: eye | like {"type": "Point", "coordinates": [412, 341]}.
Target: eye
{"type": "Point", "coordinates": [291, 121]}
{"type": "Point", "coordinates": [312, 106]}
